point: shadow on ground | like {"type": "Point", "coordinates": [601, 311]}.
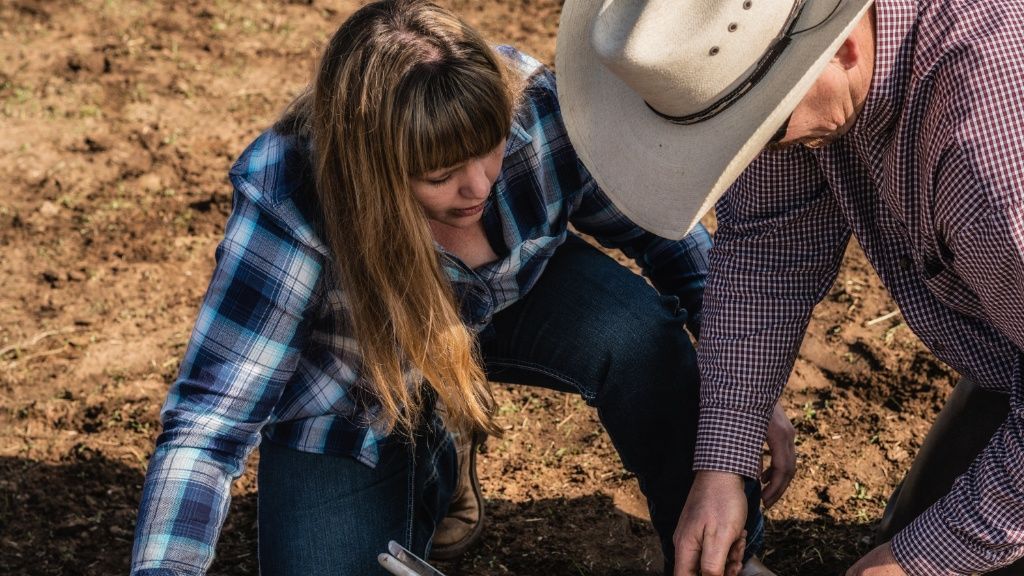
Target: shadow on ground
{"type": "Point", "coordinates": [77, 518]}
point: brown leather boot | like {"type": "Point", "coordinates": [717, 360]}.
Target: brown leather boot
{"type": "Point", "coordinates": [465, 521]}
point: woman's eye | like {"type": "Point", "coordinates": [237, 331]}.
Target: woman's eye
{"type": "Point", "coordinates": [439, 181]}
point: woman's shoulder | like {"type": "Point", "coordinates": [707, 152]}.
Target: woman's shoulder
{"type": "Point", "coordinates": [533, 71]}
{"type": "Point", "coordinates": [521, 62]}
{"type": "Point", "coordinates": [274, 163]}
{"type": "Point", "coordinates": [540, 97]}
{"type": "Point", "coordinates": [275, 174]}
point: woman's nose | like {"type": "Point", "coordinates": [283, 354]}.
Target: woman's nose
{"type": "Point", "coordinates": [476, 184]}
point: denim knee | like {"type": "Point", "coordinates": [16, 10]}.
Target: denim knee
{"type": "Point", "coordinates": [322, 514]}
{"type": "Point", "coordinates": [644, 352]}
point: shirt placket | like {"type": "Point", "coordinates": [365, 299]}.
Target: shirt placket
{"type": "Point", "coordinates": [477, 299]}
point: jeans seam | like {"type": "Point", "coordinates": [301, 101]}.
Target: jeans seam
{"type": "Point", "coordinates": [410, 501]}
{"type": "Point", "coordinates": [544, 370]}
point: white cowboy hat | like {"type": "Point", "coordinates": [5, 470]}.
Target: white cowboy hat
{"type": "Point", "coordinates": [667, 101]}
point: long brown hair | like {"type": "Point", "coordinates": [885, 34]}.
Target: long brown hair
{"type": "Point", "coordinates": [404, 87]}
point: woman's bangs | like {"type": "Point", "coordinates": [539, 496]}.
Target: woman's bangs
{"type": "Point", "coordinates": [460, 115]}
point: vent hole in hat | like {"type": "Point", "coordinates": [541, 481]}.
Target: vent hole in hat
{"type": "Point", "coordinates": [733, 27]}
{"type": "Point", "coordinates": [713, 51]}
{"type": "Point", "coordinates": [747, 5]}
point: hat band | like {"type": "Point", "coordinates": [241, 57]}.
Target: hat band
{"type": "Point", "coordinates": [764, 64]}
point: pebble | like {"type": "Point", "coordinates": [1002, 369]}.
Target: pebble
{"type": "Point", "coordinates": [49, 209]}
{"type": "Point", "coordinates": [151, 182]}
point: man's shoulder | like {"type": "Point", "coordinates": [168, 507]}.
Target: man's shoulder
{"type": "Point", "coordinates": [968, 63]}
{"type": "Point", "coordinates": [982, 31]}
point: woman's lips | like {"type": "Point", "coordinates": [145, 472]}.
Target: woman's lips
{"type": "Point", "coordinates": [471, 211]}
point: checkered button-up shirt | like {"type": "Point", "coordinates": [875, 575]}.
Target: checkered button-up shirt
{"type": "Point", "coordinates": [931, 182]}
{"type": "Point", "coordinates": [272, 352]}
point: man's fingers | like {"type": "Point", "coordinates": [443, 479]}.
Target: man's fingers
{"type": "Point", "coordinates": [777, 484]}
{"type": "Point", "coordinates": [777, 480]}
{"type": "Point", "coordinates": [709, 524]}
{"type": "Point", "coordinates": [715, 553]}
{"type": "Point", "coordinates": [734, 563]}
{"type": "Point", "coordinates": [770, 494]}
{"type": "Point", "coordinates": [781, 445]}
{"type": "Point", "coordinates": [687, 540]}
{"type": "Point", "coordinates": [687, 559]}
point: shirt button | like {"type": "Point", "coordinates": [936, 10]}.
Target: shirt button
{"type": "Point", "coordinates": [933, 268]}
{"type": "Point", "coordinates": [906, 263]}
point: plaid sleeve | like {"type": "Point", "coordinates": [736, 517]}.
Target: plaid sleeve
{"type": "Point", "coordinates": [676, 267]}
{"type": "Point", "coordinates": [778, 248]}
{"type": "Point", "coordinates": [244, 348]}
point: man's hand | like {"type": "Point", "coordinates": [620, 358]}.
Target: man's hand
{"type": "Point", "coordinates": [878, 562]}
{"type": "Point", "coordinates": [776, 478]}
{"type": "Point", "coordinates": [709, 538]}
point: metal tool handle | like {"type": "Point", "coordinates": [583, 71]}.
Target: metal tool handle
{"type": "Point", "coordinates": [395, 566]}
{"type": "Point", "coordinates": [401, 562]}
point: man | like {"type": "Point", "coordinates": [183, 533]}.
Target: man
{"type": "Point", "coordinates": [899, 121]}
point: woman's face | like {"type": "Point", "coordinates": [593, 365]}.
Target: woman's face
{"type": "Point", "coordinates": [455, 196]}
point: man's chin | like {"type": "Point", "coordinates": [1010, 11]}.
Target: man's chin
{"type": "Point", "coordinates": [818, 143]}
{"type": "Point", "coordinates": [810, 142]}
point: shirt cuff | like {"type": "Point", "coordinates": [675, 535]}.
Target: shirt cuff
{"type": "Point", "coordinates": [730, 441]}
{"type": "Point", "coordinates": [927, 547]}
{"type": "Point", "coordinates": [160, 572]}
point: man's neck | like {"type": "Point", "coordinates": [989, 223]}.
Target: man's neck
{"type": "Point", "coordinates": [860, 83]}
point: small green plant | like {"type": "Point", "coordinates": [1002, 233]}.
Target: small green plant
{"type": "Point", "coordinates": [860, 491]}
{"type": "Point", "coordinates": [809, 411]}
{"type": "Point", "coordinates": [89, 111]}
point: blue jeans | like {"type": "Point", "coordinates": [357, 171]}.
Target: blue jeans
{"type": "Point", "coordinates": [589, 327]}
{"type": "Point", "coordinates": [321, 514]}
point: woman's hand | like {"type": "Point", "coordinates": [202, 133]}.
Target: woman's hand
{"type": "Point", "coordinates": [776, 477]}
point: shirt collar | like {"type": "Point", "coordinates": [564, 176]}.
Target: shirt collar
{"type": "Point", "coordinates": [517, 137]}
{"type": "Point", "coordinates": [894, 52]}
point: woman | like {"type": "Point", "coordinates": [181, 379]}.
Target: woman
{"type": "Point", "coordinates": [398, 237]}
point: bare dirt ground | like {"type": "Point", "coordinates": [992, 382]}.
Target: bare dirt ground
{"type": "Point", "coordinates": [118, 122]}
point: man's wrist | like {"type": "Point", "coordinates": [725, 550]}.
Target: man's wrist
{"type": "Point", "coordinates": [719, 477]}
{"type": "Point", "coordinates": [730, 441]}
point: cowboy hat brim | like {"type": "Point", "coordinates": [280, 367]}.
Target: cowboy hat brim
{"type": "Point", "coordinates": [666, 176]}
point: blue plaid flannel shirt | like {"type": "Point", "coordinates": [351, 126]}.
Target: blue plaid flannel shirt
{"type": "Point", "coordinates": [272, 352]}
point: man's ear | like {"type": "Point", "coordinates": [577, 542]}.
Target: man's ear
{"type": "Point", "coordinates": [849, 53]}
{"type": "Point", "coordinates": [853, 49]}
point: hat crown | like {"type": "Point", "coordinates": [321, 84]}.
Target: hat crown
{"type": "Point", "coordinates": [682, 56]}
